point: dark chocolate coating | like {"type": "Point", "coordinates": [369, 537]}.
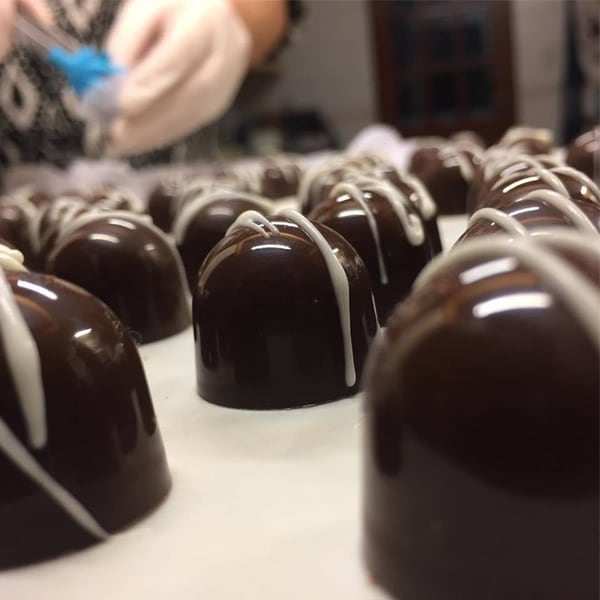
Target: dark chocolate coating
{"type": "Point", "coordinates": [207, 228]}
{"type": "Point", "coordinates": [480, 187]}
{"type": "Point", "coordinates": [537, 216]}
{"type": "Point", "coordinates": [403, 261]}
{"type": "Point", "coordinates": [512, 188]}
{"type": "Point", "coordinates": [482, 443]}
{"type": "Point", "coordinates": [279, 181]}
{"type": "Point", "coordinates": [578, 189]}
{"type": "Point", "coordinates": [527, 141]}
{"type": "Point", "coordinates": [132, 268]}
{"type": "Point", "coordinates": [438, 169]}
{"type": "Point", "coordinates": [391, 174]}
{"type": "Point", "coordinates": [162, 205]}
{"type": "Point", "coordinates": [321, 186]}
{"type": "Point", "coordinates": [14, 224]}
{"type": "Point", "coordinates": [114, 198]}
{"type": "Point", "coordinates": [266, 322]}
{"type": "Point", "coordinates": [583, 154]}
{"type": "Point", "coordinates": [48, 222]}
{"type": "Point", "coordinates": [104, 445]}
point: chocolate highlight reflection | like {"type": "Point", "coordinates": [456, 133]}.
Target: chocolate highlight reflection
{"type": "Point", "coordinates": [81, 455]}
{"type": "Point", "coordinates": [130, 265]}
{"type": "Point", "coordinates": [386, 230]}
{"type": "Point", "coordinates": [205, 220]}
{"type": "Point", "coordinates": [283, 315]}
{"type": "Point", "coordinates": [482, 423]}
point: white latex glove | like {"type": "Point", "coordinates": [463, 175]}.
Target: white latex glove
{"type": "Point", "coordinates": [38, 9]}
{"type": "Point", "coordinates": [186, 60]}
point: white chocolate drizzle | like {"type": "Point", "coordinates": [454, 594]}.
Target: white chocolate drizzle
{"type": "Point", "coordinates": [100, 215]}
{"type": "Point", "coordinates": [514, 135]}
{"type": "Point", "coordinates": [112, 198]}
{"type": "Point", "coordinates": [191, 209]}
{"type": "Point", "coordinates": [545, 175]}
{"type": "Point", "coordinates": [357, 195]}
{"type": "Point", "coordinates": [424, 201]}
{"type": "Point", "coordinates": [53, 212]}
{"type": "Point", "coordinates": [410, 222]}
{"type": "Point", "coordinates": [463, 164]}
{"type": "Point", "coordinates": [11, 260]}
{"type": "Point", "coordinates": [252, 219]}
{"type": "Point", "coordinates": [574, 290]}
{"type": "Point", "coordinates": [565, 206]}
{"type": "Point", "coordinates": [22, 356]}
{"type": "Point", "coordinates": [505, 159]}
{"type": "Point", "coordinates": [506, 222]}
{"type": "Point", "coordinates": [340, 283]}
{"type": "Point", "coordinates": [578, 176]}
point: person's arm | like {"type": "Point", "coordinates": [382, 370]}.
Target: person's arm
{"type": "Point", "coordinates": [38, 9]}
{"type": "Point", "coordinates": [185, 61]}
{"type": "Point", "coordinates": [266, 20]}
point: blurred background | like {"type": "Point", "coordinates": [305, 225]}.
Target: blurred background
{"type": "Point", "coordinates": [427, 67]}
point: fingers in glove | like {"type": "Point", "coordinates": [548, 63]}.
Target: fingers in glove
{"type": "Point", "coordinates": [7, 15]}
{"type": "Point", "coordinates": [173, 117]}
{"type": "Point", "coordinates": [38, 9]}
{"type": "Point", "coordinates": [182, 48]}
{"type": "Point", "coordinates": [130, 39]}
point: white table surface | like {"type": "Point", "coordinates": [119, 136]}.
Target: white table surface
{"type": "Point", "coordinates": [264, 505]}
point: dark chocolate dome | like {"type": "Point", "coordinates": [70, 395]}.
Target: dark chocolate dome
{"type": "Point", "coordinates": [81, 455]}
{"type": "Point", "coordinates": [528, 140]}
{"type": "Point", "coordinates": [385, 229]}
{"type": "Point", "coordinates": [131, 266]}
{"type": "Point", "coordinates": [162, 203]}
{"type": "Point", "coordinates": [446, 172]}
{"type": "Point", "coordinates": [497, 164]}
{"type": "Point", "coordinates": [280, 178]}
{"type": "Point", "coordinates": [536, 213]}
{"type": "Point", "coordinates": [420, 198]}
{"type": "Point", "coordinates": [583, 153]}
{"type": "Point", "coordinates": [204, 221]}
{"type": "Point", "coordinates": [482, 421]}
{"type": "Point", "coordinates": [15, 218]}
{"type": "Point", "coordinates": [283, 315]}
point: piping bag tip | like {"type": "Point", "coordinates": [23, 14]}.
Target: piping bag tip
{"type": "Point", "coordinates": [94, 77]}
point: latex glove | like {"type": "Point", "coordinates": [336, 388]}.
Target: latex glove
{"type": "Point", "coordinates": [187, 59]}
{"type": "Point", "coordinates": [38, 9]}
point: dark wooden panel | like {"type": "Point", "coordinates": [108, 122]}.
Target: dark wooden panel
{"type": "Point", "coordinates": [444, 66]}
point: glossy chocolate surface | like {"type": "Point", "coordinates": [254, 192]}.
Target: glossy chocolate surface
{"type": "Point", "coordinates": [14, 226]}
{"type": "Point", "coordinates": [280, 179]}
{"type": "Point", "coordinates": [514, 187]}
{"type": "Point", "coordinates": [208, 227]}
{"type": "Point", "coordinates": [321, 185]}
{"type": "Point", "coordinates": [439, 168]}
{"type": "Point", "coordinates": [131, 267]}
{"type": "Point", "coordinates": [266, 321]}
{"type": "Point", "coordinates": [402, 260]}
{"type": "Point", "coordinates": [103, 442]}
{"type": "Point", "coordinates": [489, 172]}
{"type": "Point", "coordinates": [405, 185]}
{"type": "Point", "coordinates": [482, 440]}
{"type": "Point", "coordinates": [528, 140]}
{"type": "Point", "coordinates": [162, 205]}
{"type": "Point", "coordinates": [584, 154]}
{"type": "Point", "coordinates": [535, 215]}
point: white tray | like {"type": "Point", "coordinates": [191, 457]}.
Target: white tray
{"type": "Point", "coordinates": [264, 505]}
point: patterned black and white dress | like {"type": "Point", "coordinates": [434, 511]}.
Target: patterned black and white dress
{"type": "Point", "coordinates": [39, 120]}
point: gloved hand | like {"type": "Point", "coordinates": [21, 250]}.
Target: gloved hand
{"type": "Point", "coordinates": [186, 61]}
{"type": "Point", "coordinates": [38, 9]}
